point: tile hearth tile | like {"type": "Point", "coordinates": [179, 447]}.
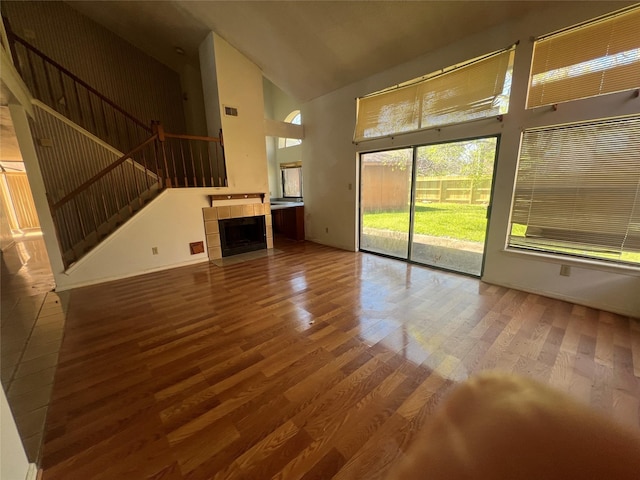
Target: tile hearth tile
{"type": "Point", "coordinates": [210, 213]}
{"type": "Point", "coordinates": [224, 212]}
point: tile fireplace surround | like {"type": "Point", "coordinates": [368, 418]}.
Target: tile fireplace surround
{"type": "Point", "coordinates": [215, 213]}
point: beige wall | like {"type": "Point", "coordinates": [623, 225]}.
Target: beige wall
{"type": "Point", "coordinates": [170, 223]}
{"type": "Point", "coordinates": [239, 85]}
{"type": "Point", "coordinates": [138, 83]}
{"type": "Point", "coordinates": [331, 165]}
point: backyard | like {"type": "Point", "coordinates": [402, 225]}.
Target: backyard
{"type": "Point", "coordinates": [450, 220]}
{"type": "Point", "coordinates": [460, 222]}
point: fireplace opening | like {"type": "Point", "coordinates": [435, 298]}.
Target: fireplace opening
{"type": "Point", "coordinates": [241, 235]}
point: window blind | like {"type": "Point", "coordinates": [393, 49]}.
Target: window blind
{"type": "Point", "coordinates": [578, 190]}
{"type": "Point", "coordinates": [585, 61]}
{"type": "Point", "coordinates": [292, 181]}
{"type": "Point", "coordinates": [478, 89]}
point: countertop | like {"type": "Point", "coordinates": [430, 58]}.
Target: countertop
{"type": "Point", "coordinates": [282, 205]}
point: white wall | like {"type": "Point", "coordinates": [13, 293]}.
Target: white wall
{"type": "Point", "coordinates": [281, 103]}
{"type": "Point", "coordinates": [331, 167]}
{"type": "Point", "coordinates": [278, 105]}
{"type": "Point", "coordinates": [170, 222]}
{"type": "Point", "coordinates": [13, 460]}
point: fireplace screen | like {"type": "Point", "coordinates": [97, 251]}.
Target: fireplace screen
{"type": "Point", "coordinates": [241, 235]}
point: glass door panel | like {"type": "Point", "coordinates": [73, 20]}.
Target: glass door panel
{"type": "Point", "coordinates": [452, 195]}
{"type": "Point", "coordinates": [385, 197]}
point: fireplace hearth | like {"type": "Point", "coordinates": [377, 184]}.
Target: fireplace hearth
{"type": "Point", "coordinates": [241, 235]}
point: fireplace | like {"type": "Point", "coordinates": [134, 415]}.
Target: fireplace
{"type": "Point", "coordinates": [241, 235]}
{"type": "Point", "coordinates": [252, 239]}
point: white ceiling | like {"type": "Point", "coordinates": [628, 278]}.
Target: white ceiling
{"type": "Point", "coordinates": [307, 48]}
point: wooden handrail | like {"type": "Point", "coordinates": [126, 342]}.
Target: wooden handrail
{"type": "Point", "coordinates": [13, 37]}
{"type": "Point", "coordinates": [191, 137]}
{"type": "Point", "coordinates": [101, 174]}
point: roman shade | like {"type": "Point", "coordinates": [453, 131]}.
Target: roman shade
{"type": "Point", "coordinates": [473, 90]}
{"type": "Point", "coordinates": [596, 58]}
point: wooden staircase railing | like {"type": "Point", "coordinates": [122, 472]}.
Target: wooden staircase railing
{"type": "Point", "coordinates": [71, 96]}
{"type": "Point", "coordinates": [191, 160]}
{"type": "Point", "coordinates": [93, 210]}
{"type": "Point", "coordinates": [155, 159]}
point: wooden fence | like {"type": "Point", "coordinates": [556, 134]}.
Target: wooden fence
{"type": "Point", "coordinates": [388, 189]}
{"type": "Point", "coordinates": [453, 190]}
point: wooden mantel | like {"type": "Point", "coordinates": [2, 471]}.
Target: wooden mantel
{"type": "Point", "coordinates": [235, 196]}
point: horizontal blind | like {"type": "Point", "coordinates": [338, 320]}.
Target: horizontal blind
{"type": "Point", "coordinates": [478, 89]}
{"type": "Point", "coordinates": [578, 189]}
{"type": "Point", "coordinates": [589, 60]}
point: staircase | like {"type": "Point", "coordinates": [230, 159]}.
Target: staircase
{"type": "Point", "coordinates": [100, 164]}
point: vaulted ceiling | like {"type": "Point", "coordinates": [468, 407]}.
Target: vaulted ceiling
{"type": "Point", "coordinates": [307, 48]}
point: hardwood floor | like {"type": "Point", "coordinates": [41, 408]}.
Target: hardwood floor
{"type": "Point", "coordinates": [312, 363]}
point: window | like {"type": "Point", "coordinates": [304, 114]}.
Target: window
{"type": "Point", "coordinates": [470, 91]}
{"type": "Point", "coordinates": [293, 117]}
{"type": "Point", "coordinates": [600, 57]}
{"type": "Point", "coordinates": [292, 179]}
{"type": "Point", "coordinates": [578, 191]}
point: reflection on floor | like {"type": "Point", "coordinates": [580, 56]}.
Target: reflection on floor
{"type": "Point", "coordinates": [449, 253]}
{"type": "Point", "coordinates": [244, 257]}
{"type": "Point", "coordinates": [31, 321]}
{"type": "Point", "coordinates": [313, 363]}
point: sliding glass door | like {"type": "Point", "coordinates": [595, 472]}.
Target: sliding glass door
{"type": "Point", "coordinates": [429, 204]}
{"type": "Point", "coordinates": [385, 201]}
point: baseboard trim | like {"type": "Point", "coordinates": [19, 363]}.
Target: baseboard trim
{"type": "Point", "coordinates": [62, 288]}
{"type": "Point", "coordinates": [566, 298]}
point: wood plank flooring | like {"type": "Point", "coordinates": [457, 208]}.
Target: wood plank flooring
{"type": "Point", "coordinates": [313, 363]}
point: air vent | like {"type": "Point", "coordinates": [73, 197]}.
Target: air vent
{"type": "Point", "coordinates": [196, 247]}
{"type": "Point", "coordinates": [230, 111]}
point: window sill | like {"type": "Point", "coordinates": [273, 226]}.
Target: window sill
{"type": "Point", "coordinates": [577, 262]}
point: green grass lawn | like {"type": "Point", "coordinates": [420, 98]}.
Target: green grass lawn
{"type": "Point", "coordinates": [452, 220]}
{"type": "Point", "coordinates": [459, 221]}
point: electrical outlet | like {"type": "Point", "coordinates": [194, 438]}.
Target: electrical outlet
{"type": "Point", "coordinates": [565, 270]}
{"type": "Point", "coordinates": [350, 186]}
{"type": "Point", "coordinates": [326, 230]}
{"type": "Point", "coordinates": [154, 250]}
